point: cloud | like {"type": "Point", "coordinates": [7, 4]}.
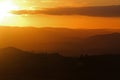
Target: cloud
{"type": "Point", "coordinates": [98, 11]}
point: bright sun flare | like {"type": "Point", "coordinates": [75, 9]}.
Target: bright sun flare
{"type": "Point", "coordinates": [5, 7]}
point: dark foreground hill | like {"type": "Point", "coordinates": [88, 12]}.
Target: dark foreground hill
{"type": "Point", "coordinates": [16, 64]}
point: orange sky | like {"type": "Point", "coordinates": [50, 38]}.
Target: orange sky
{"type": "Point", "coordinates": [46, 19]}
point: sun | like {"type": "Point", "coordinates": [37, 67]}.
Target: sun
{"type": "Point", "coordinates": [5, 7]}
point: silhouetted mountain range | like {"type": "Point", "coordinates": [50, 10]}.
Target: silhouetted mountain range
{"type": "Point", "coordinates": [62, 40]}
{"type": "Point", "coordinates": [103, 44]}
{"type": "Point", "coordinates": [15, 53]}
{"type": "Point", "coordinates": [16, 64]}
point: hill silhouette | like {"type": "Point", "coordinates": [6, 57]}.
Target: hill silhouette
{"type": "Point", "coordinates": [105, 44]}
{"type": "Point", "coordinates": [16, 64]}
{"type": "Point", "coordinates": [19, 64]}
{"type": "Point", "coordinates": [65, 41]}
{"type": "Point", "coordinates": [11, 53]}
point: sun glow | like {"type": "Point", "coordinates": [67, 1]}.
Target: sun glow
{"type": "Point", "coordinates": [5, 7]}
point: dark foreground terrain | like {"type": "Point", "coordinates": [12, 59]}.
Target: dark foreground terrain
{"type": "Point", "coordinates": [16, 64]}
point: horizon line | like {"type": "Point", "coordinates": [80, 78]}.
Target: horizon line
{"type": "Point", "coordinates": [1, 26]}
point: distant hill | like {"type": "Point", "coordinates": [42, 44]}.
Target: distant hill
{"type": "Point", "coordinates": [61, 40]}
{"type": "Point", "coordinates": [97, 44]}
{"type": "Point", "coordinates": [12, 50]}
{"type": "Point", "coordinates": [103, 44]}
{"type": "Point", "coordinates": [9, 53]}
{"type": "Point", "coordinates": [17, 58]}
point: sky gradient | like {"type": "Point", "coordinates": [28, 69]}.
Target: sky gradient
{"type": "Point", "coordinates": [38, 4]}
{"type": "Point", "coordinates": [64, 13]}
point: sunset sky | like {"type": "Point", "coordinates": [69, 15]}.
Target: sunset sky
{"type": "Point", "coordinates": [60, 13]}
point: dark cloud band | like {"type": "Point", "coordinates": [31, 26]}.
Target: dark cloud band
{"type": "Point", "coordinates": [98, 11]}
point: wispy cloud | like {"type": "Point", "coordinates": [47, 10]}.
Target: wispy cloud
{"type": "Point", "coordinates": [98, 11]}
